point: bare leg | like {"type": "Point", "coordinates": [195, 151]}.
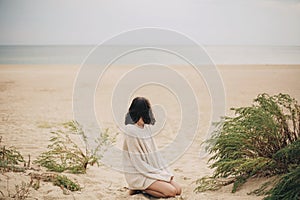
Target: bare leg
{"type": "Point", "coordinates": [177, 186]}
{"type": "Point", "coordinates": [154, 193]}
{"type": "Point", "coordinates": [161, 189]}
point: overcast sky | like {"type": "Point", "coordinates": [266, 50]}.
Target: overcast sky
{"type": "Point", "coordinates": [210, 22]}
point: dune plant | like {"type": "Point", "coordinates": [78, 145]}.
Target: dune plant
{"type": "Point", "coordinates": [258, 140]}
{"type": "Point", "coordinates": [21, 192]}
{"type": "Point", "coordinates": [288, 188]}
{"type": "Point", "coordinates": [65, 155]}
{"type": "Point", "coordinates": [10, 159]}
{"type": "Point", "coordinates": [62, 181]}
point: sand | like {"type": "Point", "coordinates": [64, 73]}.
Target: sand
{"type": "Point", "coordinates": [35, 98]}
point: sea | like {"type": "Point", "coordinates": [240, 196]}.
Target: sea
{"type": "Point", "coordinates": [78, 54]}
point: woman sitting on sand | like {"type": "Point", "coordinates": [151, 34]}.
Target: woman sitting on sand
{"type": "Point", "coordinates": [144, 167]}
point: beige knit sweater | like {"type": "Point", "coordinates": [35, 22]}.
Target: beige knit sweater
{"type": "Point", "coordinates": [143, 164]}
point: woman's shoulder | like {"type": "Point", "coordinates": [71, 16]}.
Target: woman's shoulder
{"type": "Point", "coordinates": [133, 130]}
{"type": "Point", "coordinates": [130, 128]}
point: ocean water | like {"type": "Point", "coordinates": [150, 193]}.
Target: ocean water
{"type": "Point", "coordinates": [74, 54]}
{"type": "Point", "coordinates": [43, 54]}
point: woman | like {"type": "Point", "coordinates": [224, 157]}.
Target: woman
{"type": "Point", "coordinates": [144, 168]}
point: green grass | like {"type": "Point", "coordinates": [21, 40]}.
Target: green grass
{"type": "Point", "coordinates": [64, 181]}
{"type": "Point", "coordinates": [288, 188]}
{"type": "Point", "coordinates": [259, 140]}
{"type": "Point", "coordinates": [10, 159]}
{"type": "Point", "coordinates": [64, 155]}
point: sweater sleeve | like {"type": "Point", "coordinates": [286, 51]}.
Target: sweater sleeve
{"type": "Point", "coordinates": [138, 156]}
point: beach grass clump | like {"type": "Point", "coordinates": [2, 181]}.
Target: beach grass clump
{"type": "Point", "coordinates": [65, 182]}
{"type": "Point", "coordinates": [62, 181]}
{"type": "Point", "coordinates": [21, 192]}
{"type": "Point", "coordinates": [259, 140]}
{"type": "Point", "coordinates": [288, 188]}
{"type": "Point", "coordinates": [64, 155]}
{"type": "Point", "coordinates": [10, 159]}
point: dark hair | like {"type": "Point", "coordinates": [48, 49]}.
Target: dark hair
{"type": "Point", "coordinates": [140, 108]}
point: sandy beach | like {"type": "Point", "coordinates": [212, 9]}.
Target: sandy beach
{"type": "Point", "coordinates": [35, 98]}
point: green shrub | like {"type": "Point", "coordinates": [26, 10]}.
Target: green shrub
{"type": "Point", "coordinates": [288, 187]}
{"type": "Point", "coordinates": [257, 141]}
{"type": "Point", "coordinates": [289, 157]}
{"type": "Point", "coordinates": [10, 158]}
{"type": "Point", "coordinates": [61, 181]}
{"type": "Point", "coordinates": [65, 155]}
{"type": "Point", "coordinates": [64, 181]}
